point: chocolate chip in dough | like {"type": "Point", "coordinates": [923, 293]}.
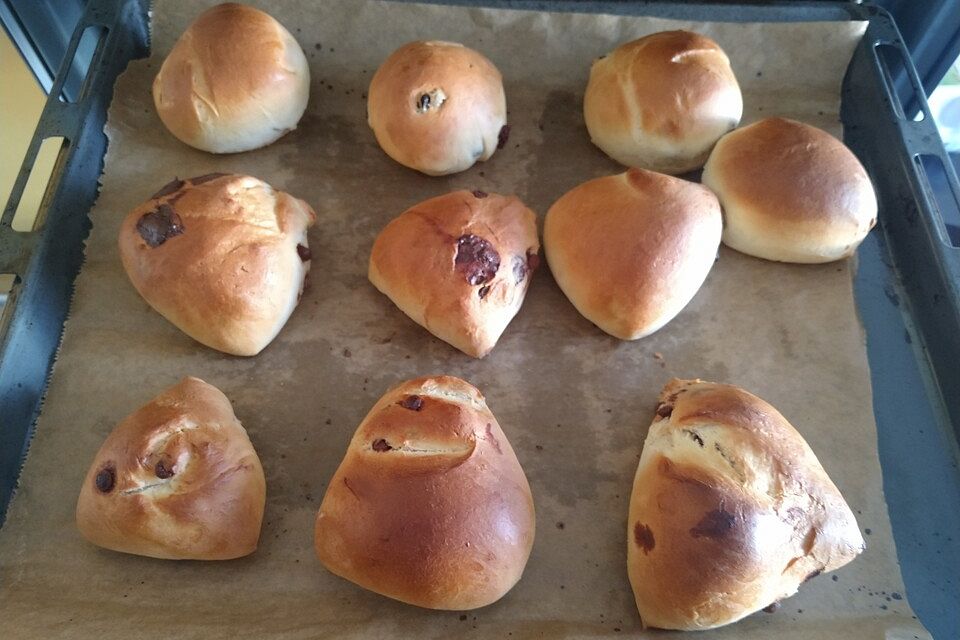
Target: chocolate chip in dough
{"type": "Point", "coordinates": [207, 177]}
{"type": "Point", "coordinates": [304, 253]}
{"type": "Point", "coordinates": [171, 187]}
{"type": "Point", "coordinates": [381, 445]}
{"type": "Point", "coordinates": [105, 480]}
{"type": "Point", "coordinates": [476, 259]}
{"type": "Point", "coordinates": [159, 225]}
{"type": "Point", "coordinates": [503, 136]}
{"type": "Point", "coordinates": [163, 471]}
{"type": "Point", "coordinates": [412, 402]}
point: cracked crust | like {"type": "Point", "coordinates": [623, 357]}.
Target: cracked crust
{"type": "Point", "coordinates": [730, 512]}
{"type": "Point", "coordinates": [209, 505]}
{"type": "Point", "coordinates": [232, 275]}
{"type": "Point", "coordinates": [414, 263]}
{"type": "Point", "coordinates": [218, 93]}
{"type": "Point", "coordinates": [437, 107]}
{"type": "Point", "coordinates": [662, 102]}
{"type": "Point", "coordinates": [430, 505]}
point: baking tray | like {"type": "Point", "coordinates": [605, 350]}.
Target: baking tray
{"type": "Point", "coordinates": [907, 285]}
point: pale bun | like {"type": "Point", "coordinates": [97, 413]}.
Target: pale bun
{"type": "Point", "coordinates": [662, 102]}
{"type": "Point", "coordinates": [790, 192]}
{"type": "Point", "coordinates": [176, 479]}
{"type": "Point", "coordinates": [438, 107]}
{"type": "Point", "coordinates": [235, 80]}
{"type": "Point", "coordinates": [631, 250]}
{"type": "Point", "coordinates": [221, 256]}
{"type": "Point", "coordinates": [730, 512]}
{"type": "Point", "coordinates": [459, 265]}
{"type": "Point", "coordinates": [430, 505]}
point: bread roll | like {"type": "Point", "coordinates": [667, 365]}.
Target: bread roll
{"type": "Point", "coordinates": [791, 192]}
{"type": "Point", "coordinates": [631, 250]}
{"type": "Point", "coordinates": [730, 512]}
{"type": "Point", "coordinates": [662, 102]}
{"type": "Point", "coordinates": [221, 256]}
{"type": "Point", "coordinates": [235, 80]}
{"type": "Point", "coordinates": [438, 107]}
{"type": "Point", "coordinates": [430, 505]}
{"type": "Point", "coordinates": [177, 479]}
{"type": "Point", "coordinates": [459, 265]}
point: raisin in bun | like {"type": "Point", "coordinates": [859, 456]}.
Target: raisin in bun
{"type": "Point", "coordinates": [223, 257]}
{"type": "Point", "coordinates": [631, 250]}
{"type": "Point", "coordinates": [730, 512]}
{"type": "Point", "coordinates": [662, 102]}
{"type": "Point", "coordinates": [459, 265]}
{"type": "Point", "coordinates": [177, 479]}
{"type": "Point", "coordinates": [438, 107]}
{"type": "Point", "coordinates": [235, 80]}
{"type": "Point", "coordinates": [791, 192]}
{"type": "Point", "coordinates": [430, 505]}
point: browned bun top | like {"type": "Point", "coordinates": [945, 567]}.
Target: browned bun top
{"type": "Point", "coordinates": [731, 511]}
{"type": "Point", "coordinates": [791, 192]}
{"type": "Point", "coordinates": [176, 479]}
{"type": "Point", "coordinates": [631, 250]}
{"type": "Point", "coordinates": [662, 101]}
{"type": "Point", "coordinates": [430, 505]}
{"type": "Point", "coordinates": [438, 107]}
{"type": "Point", "coordinates": [223, 257]}
{"type": "Point", "coordinates": [235, 80]}
{"type": "Point", "coordinates": [459, 265]}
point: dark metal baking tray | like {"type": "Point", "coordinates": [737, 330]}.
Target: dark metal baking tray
{"type": "Point", "coordinates": [907, 285]}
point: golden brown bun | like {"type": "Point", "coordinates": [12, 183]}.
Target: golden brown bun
{"type": "Point", "coordinates": [438, 107]}
{"type": "Point", "coordinates": [177, 479]}
{"type": "Point", "coordinates": [791, 192]}
{"type": "Point", "coordinates": [459, 265]}
{"type": "Point", "coordinates": [662, 102]}
{"type": "Point", "coordinates": [221, 256]}
{"type": "Point", "coordinates": [430, 505]}
{"type": "Point", "coordinates": [234, 81]}
{"type": "Point", "coordinates": [631, 250]}
{"type": "Point", "coordinates": [730, 512]}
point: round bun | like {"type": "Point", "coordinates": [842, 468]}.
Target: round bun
{"type": "Point", "coordinates": [631, 250]}
{"type": "Point", "coordinates": [459, 265]}
{"type": "Point", "coordinates": [235, 80]}
{"type": "Point", "coordinates": [730, 512]}
{"type": "Point", "coordinates": [791, 192]}
{"type": "Point", "coordinates": [662, 102]}
{"type": "Point", "coordinates": [438, 107]}
{"type": "Point", "coordinates": [177, 479]}
{"type": "Point", "coordinates": [430, 505]}
{"type": "Point", "coordinates": [223, 257]}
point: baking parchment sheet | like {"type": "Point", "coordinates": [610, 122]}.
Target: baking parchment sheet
{"type": "Point", "coordinates": [574, 402]}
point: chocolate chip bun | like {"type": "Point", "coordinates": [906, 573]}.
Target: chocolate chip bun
{"type": "Point", "coordinates": [221, 256]}
{"type": "Point", "coordinates": [235, 80]}
{"type": "Point", "coordinates": [177, 479]}
{"type": "Point", "coordinates": [791, 192]}
{"type": "Point", "coordinates": [459, 265]}
{"type": "Point", "coordinates": [662, 102]}
{"type": "Point", "coordinates": [430, 505]}
{"type": "Point", "coordinates": [438, 107]}
{"type": "Point", "coordinates": [730, 512]}
{"type": "Point", "coordinates": [631, 250]}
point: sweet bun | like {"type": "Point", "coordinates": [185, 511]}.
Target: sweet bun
{"type": "Point", "coordinates": [631, 250]}
{"type": "Point", "coordinates": [662, 102]}
{"type": "Point", "coordinates": [438, 107]}
{"type": "Point", "coordinates": [221, 256]}
{"type": "Point", "coordinates": [791, 192]}
{"type": "Point", "coordinates": [177, 479]}
{"type": "Point", "coordinates": [730, 511]}
{"type": "Point", "coordinates": [459, 265]}
{"type": "Point", "coordinates": [235, 80]}
{"type": "Point", "coordinates": [430, 505]}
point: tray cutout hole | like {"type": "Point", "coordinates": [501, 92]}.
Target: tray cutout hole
{"type": "Point", "coordinates": [32, 208]}
{"type": "Point", "coordinates": [894, 67]}
{"type": "Point", "coordinates": [944, 198]}
{"type": "Point", "coordinates": [88, 49]}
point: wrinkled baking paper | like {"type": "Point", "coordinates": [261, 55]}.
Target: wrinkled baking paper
{"type": "Point", "coordinates": [574, 402]}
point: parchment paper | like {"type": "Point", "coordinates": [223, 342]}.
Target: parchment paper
{"type": "Point", "coordinates": [574, 402]}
